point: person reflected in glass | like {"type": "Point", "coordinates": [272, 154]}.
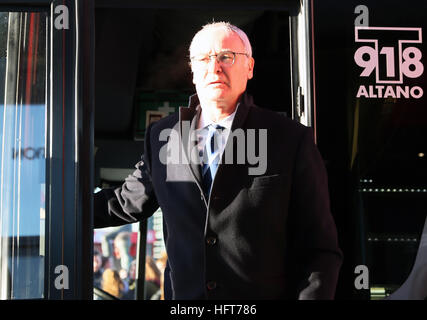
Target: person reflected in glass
{"type": "Point", "coordinates": [97, 269]}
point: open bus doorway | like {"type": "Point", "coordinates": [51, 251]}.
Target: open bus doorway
{"type": "Point", "coordinates": [142, 74]}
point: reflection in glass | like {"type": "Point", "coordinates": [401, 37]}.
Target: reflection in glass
{"type": "Point", "coordinates": [22, 158]}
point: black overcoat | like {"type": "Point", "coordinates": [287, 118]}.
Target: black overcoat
{"type": "Point", "coordinates": [262, 236]}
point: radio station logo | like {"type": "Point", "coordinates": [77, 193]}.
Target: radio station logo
{"type": "Point", "coordinates": [390, 57]}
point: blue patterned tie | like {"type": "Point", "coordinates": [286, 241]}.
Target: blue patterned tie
{"type": "Point", "coordinates": [211, 156]}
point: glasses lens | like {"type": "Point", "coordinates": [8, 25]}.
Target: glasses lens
{"type": "Point", "coordinates": [226, 58]}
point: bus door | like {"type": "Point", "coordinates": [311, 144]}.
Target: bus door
{"type": "Point", "coordinates": [45, 150]}
{"type": "Point", "coordinates": [372, 122]}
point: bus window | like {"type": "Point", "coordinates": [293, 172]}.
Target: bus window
{"type": "Point", "coordinates": [114, 260]}
{"type": "Point", "coordinates": [116, 252]}
{"type": "Point", "coordinates": [22, 158]}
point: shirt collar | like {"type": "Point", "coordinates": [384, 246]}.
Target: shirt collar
{"type": "Point", "coordinates": [227, 122]}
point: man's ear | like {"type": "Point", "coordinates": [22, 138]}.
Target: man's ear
{"type": "Point", "coordinates": [251, 65]}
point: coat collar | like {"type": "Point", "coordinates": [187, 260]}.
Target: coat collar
{"type": "Point", "coordinates": [193, 110]}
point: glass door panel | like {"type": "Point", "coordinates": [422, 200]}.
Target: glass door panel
{"type": "Point", "coordinates": [23, 110]}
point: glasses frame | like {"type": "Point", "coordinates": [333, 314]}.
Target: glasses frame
{"type": "Point", "coordinates": [217, 60]}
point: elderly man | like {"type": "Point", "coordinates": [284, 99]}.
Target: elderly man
{"type": "Point", "coordinates": [232, 232]}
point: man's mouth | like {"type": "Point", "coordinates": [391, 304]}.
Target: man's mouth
{"type": "Point", "coordinates": [214, 83]}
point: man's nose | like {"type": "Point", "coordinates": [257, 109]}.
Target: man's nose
{"type": "Point", "coordinates": [213, 65]}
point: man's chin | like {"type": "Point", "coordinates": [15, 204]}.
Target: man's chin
{"type": "Point", "coordinates": [216, 94]}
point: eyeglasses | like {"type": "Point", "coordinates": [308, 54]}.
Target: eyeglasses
{"type": "Point", "coordinates": [225, 59]}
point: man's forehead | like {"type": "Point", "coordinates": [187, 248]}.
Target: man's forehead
{"type": "Point", "coordinates": [215, 41]}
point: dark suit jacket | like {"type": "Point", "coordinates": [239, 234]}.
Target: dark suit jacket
{"type": "Point", "coordinates": [256, 237]}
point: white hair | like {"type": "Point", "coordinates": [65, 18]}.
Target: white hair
{"type": "Point", "coordinates": [228, 27]}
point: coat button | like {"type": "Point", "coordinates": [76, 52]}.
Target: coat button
{"type": "Point", "coordinates": [211, 241]}
{"type": "Point", "coordinates": [201, 196]}
{"type": "Point", "coordinates": [211, 285]}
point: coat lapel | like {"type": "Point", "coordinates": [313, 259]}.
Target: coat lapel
{"type": "Point", "coordinates": [188, 119]}
{"type": "Point", "coordinates": [238, 122]}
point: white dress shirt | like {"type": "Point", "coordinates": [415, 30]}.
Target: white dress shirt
{"type": "Point", "coordinates": [202, 131]}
